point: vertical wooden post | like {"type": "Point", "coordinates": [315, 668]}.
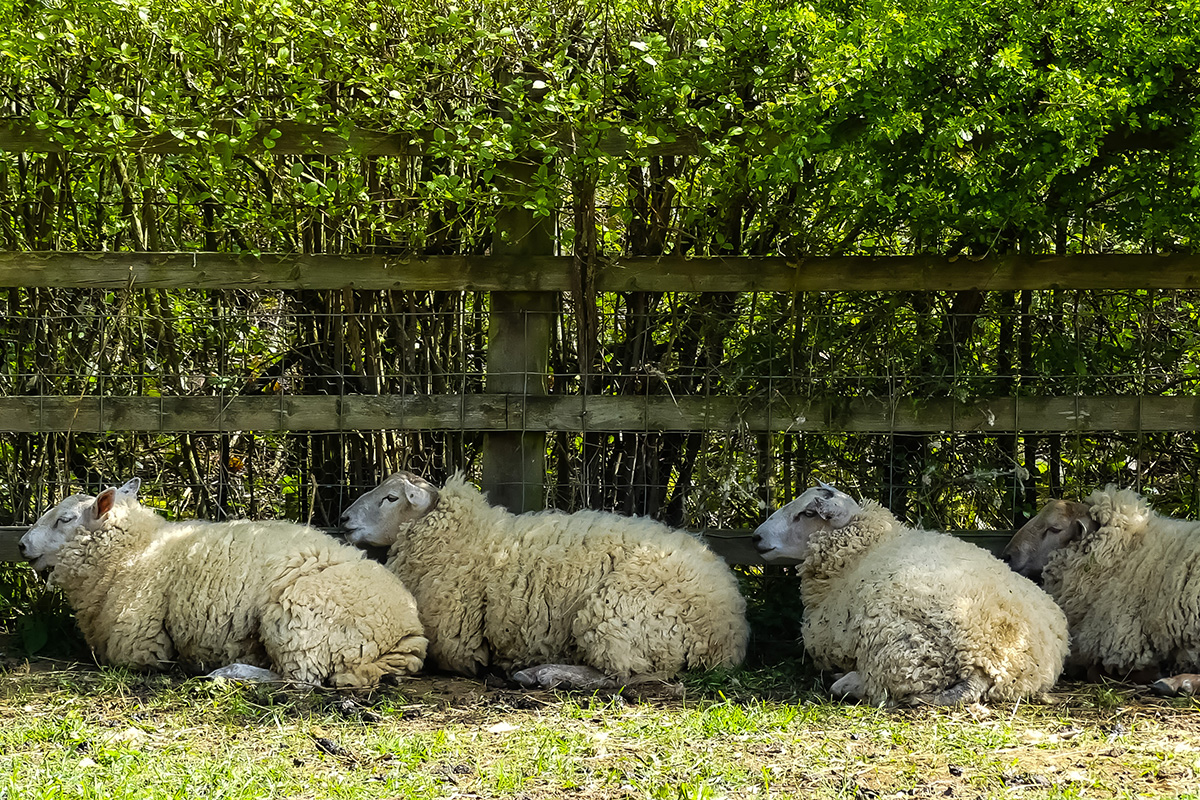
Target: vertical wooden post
{"type": "Point", "coordinates": [518, 359]}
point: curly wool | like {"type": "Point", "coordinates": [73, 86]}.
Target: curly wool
{"type": "Point", "coordinates": [147, 592]}
{"type": "Point", "coordinates": [915, 612]}
{"type": "Point", "coordinates": [622, 594]}
{"type": "Point", "coordinates": [1131, 588]}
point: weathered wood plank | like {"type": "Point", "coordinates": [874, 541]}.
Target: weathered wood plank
{"type": "Point", "coordinates": [859, 415]}
{"type": "Point", "coordinates": [9, 536]}
{"type": "Point", "coordinates": [732, 545]}
{"type": "Point", "coordinates": [925, 272]}
{"type": "Point", "coordinates": [511, 412]}
{"type": "Point", "coordinates": [736, 546]}
{"type": "Point", "coordinates": [19, 135]}
{"type": "Point", "coordinates": [518, 350]}
{"type": "Point", "coordinates": [280, 272]}
{"type": "Point", "coordinates": [183, 136]}
{"type": "Point", "coordinates": [297, 138]}
{"type": "Point", "coordinates": [541, 273]}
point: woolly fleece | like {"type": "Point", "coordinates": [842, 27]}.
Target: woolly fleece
{"type": "Point", "coordinates": [625, 595]}
{"type": "Point", "coordinates": [915, 612]}
{"type": "Point", "coordinates": [1131, 588]}
{"type": "Point", "coordinates": [272, 594]}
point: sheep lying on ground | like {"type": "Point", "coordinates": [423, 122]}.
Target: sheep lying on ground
{"type": "Point", "coordinates": [1127, 578]}
{"type": "Point", "coordinates": [620, 594]}
{"type": "Point", "coordinates": [916, 616]}
{"type": "Point", "coordinates": [147, 592]}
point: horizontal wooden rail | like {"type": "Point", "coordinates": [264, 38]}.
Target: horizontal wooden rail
{"type": "Point", "coordinates": [732, 545]}
{"type": "Point", "coordinates": [503, 412]}
{"type": "Point", "coordinates": [185, 136]}
{"type": "Point", "coordinates": [8, 543]}
{"type": "Point", "coordinates": [181, 136]}
{"type": "Point", "coordinates": [285, 137]}
{"type": "Point", "coordinates": [555, 273]}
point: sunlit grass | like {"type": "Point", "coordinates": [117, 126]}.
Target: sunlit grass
{"type": "Point", "coordinates": [88, 733]}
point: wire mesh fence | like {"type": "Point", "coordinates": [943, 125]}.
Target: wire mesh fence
{"type": "Point", "coordinates": [636, 131]}
{"type": "Point", "coordinates": [665, 348]}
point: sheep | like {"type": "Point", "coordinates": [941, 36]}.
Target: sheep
{"type": "Point", "coordinates": [914, 616]}
{"type": "Point", "coordinates": [147, 592]}
{"type": "Point", "coordinates": [1128, 580]}
{"type": "Point", "coordinates": [623, 595]}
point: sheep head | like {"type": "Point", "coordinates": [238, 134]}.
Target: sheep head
{"type": "Point", "coordinates": [1059, 523]}
{"type": "Point", "coordinates": [785, 534]}
{"type": "Point", "coordinates": [375, 518]}
{"type": "Point", "coordinates": [42, 543]}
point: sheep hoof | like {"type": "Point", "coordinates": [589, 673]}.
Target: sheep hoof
{"type": "Point", "coordinates": [563, 676]}
{"type": "Point", "coordinates": [968, 690]}
{"type": "Point", "coordinates": [243, 672]}
{"type": "Point", "coordinates": [1177, 685]}
{"type": "Point", "coordinates": [848, 685]}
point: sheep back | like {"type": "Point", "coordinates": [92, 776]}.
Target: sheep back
{"type": "Point", "coordinates": [915, 612]}
{"type": "Point", "coordinates": [1131, 588]}
{"type": "Point", "coordinates": [623, 594]}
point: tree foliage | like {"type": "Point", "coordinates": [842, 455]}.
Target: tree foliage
{"type": "Point", "coordinates": [760, 127]}
{"type": "Point", "coordinates": [832, 127]}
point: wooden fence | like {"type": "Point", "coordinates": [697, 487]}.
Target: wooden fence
{"type": "Point", "coordinates": [519, 418]}
{"type": "Point", "coordinates": [523, 276]}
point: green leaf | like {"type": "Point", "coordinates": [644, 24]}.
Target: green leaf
{"type": "Point", "coordinates": [34, 633]}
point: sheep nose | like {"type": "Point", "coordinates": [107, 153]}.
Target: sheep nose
{"type": "Point", "coordinates": [756, 539]}
{"type": "Point", "coordinates": [21, 549]}
{"type": "Point", "coordinates": [343, 519]}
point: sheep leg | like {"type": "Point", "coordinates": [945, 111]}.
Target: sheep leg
{"type": "Point", "coordinates": [849, 685]}
{"type": "Point", "coordinates": [243, 672]}
{"type": "Point", "coordinates": [658, 615]}
{"type": "Point", "coordinates": [406, 658]}
{"type": "Point", "coordinates": [908, 656]}
{"type": "Point", "coordinates": [1176, 685]}
{"type": "Point", "coordinates": [325, 623]}
{"type": "Point", "coordinates": [139, 639]}
{"type": "Point", "coordinates": [616, 633]}
{"type": "Point", "coordinates": [563, 676]}
{"type": "Point", "coordinates": [968, 690]}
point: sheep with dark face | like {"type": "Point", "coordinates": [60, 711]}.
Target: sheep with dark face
{"type": "Point", "coordinates": [148, 592]}
{"type": "Point", "coordinates": [623, 595]}
{"type": "Point", "coordinates": [913, 616]}
{"type": "Point", "coordinates": [1059, 523]}
{"type": "Point", "coordinates": [1128, 580]}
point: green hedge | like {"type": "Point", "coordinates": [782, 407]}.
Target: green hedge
{"type": "Point", "coordinates": [878, 127]}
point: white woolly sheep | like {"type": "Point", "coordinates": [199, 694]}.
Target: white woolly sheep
{"type": "Point", "coordinates": [1127, 578]}
{"type": "Point", "coordinates": [914, 616]}
{"type": "Point", "coordinates": [623, 595]}
{"type": "Point", "coordinates": [147, 592]}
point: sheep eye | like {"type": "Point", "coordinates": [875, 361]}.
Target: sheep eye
{"type": "Point", "coordinates": [808, 512]}
{"type": "Point", "coordinates": [65, 518]}
{"type": "Point", "coordinates": [392, 498]}
{"type": "Point", "coordinates": [1053, 530]}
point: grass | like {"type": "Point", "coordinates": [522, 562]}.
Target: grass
{"type": "Point", "coordinates": [73, 731]}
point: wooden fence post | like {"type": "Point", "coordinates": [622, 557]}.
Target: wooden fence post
{"type": "Point", "coordinates": [518, 357]}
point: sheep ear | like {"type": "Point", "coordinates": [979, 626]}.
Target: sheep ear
{"type": "Point", "coordinates": [130, 488]}
{"type": "Point", "coordinates": [105, 502]}
{"type": "Point", "coordinates": [837, 510]}
{"type": "Point", "coordinates": [1081, 528]}
{"type": "Point", "coordinates": [826, 486]}
{"type": "Point", "coordinates": [419, 497]}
